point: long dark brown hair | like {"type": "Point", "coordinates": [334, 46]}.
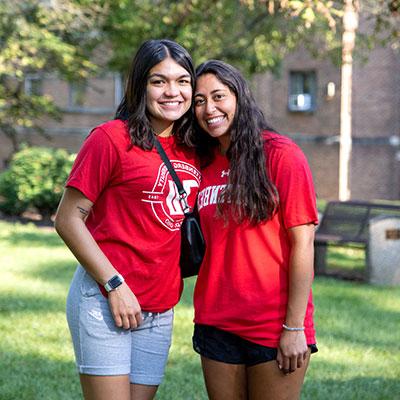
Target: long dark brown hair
{"type": "Point", "coordinates": [252, 195]}
{"type": "Point", "coordinates": [133, 105]}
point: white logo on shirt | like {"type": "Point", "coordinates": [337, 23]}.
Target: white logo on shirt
{"type": "Point", "coordinates": [211, 195]}
{"type": "Point", "coordinates": [225, 173]}
{"type": "Point", "coordinates": [173, 202]}
{"type": "Point", "coordinates": [164, 197]}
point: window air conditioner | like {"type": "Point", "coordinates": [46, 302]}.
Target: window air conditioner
{"type": "Point", "coordinates": [300, 102]}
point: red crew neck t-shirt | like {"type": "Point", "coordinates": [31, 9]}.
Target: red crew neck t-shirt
{"type": "Point", "coordinates": [136, 215]}
{"type": "Point", "coordinates": [242, 287]}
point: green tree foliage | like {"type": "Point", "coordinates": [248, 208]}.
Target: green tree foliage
{"type": "Point", "coordinates": [41, 37]}
{"type": "Point", "coordinates": [35, 178]}
{"type": "Point", "coordinates": [246, 33]}
{"type": "Point", "coordinates": [382, 23]}
{"type": "Point", "coordinates": [254, 35]}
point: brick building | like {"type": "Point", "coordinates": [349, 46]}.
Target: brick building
{"type": "Point", "coordinates": [304, 103]}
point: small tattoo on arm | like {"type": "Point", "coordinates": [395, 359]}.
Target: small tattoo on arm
{"type": "Point", "coordinates": [83, 211]}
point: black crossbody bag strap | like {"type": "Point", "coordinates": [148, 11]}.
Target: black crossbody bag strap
{"type": "Point", "coordinates": [192, 240]}
{"type": "Point", "coordinates": [182, 193]}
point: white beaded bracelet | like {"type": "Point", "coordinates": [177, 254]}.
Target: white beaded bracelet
{"type": "Point", "coordinates": [289, 328]}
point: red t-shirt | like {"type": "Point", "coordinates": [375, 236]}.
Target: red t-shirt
{"type": "Point", "coordinates": [136, 215]}
{"type": "Point", "coordinates": [242, 286]}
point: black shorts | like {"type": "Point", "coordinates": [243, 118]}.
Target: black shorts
{"type": "Point", "coordinates": [219, 345]}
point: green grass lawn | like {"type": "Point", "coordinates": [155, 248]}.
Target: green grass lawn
{"type": "Point", "coordinates": [357, 325]}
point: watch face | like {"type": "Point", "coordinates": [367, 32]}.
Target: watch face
{"type": "Point", "coordinates": [114, 282]}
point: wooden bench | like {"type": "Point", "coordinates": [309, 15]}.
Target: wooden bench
{"type": "Point", "coordinates": [346, 224]}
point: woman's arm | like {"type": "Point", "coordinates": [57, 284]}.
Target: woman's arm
{"type": "Point", "coordinates": [293, 346]}
{"type": "Point", "coordinates": [70, 225]}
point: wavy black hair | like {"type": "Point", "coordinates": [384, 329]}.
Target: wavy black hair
{"type": "Point", "coordinates": [133, 105]}
{"type": "Point", "coordinates": [252, 195]}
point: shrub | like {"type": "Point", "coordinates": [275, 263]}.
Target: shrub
{"type": "Point", "coordinates": [35, 178]}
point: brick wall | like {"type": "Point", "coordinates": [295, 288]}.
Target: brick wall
{"type": "Point", "coordinates": [272, 94]}
{"type": "Point", "coordinates": [375, 165]}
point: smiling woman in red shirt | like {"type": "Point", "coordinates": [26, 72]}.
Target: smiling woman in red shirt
{"type": "Point", "coordinates": [253, 305]}
{"type": "Point", "coordinates": [120, 216]}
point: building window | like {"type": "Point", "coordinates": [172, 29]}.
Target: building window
{"type": "Point", "coordinates": [302, 91]}
{"type": "Point", "coordinates": [33, 85]}
{"type": "Point", "coordinates": [77, 94]}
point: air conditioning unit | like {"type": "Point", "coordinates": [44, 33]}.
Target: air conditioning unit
{"type": "Point", "coordinates": [300, 102]}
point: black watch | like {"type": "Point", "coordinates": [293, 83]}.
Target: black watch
{"type": "Point", "coordinates": [114, 282]}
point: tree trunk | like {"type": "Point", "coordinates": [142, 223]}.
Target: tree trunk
{"type": "Point", "coordinates": [350, 23]}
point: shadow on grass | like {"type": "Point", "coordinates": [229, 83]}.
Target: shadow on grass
{"type": "Point", "coordinates": [12, 303]}
{"type": "Point", "coordinates": [365, 388]}
{"type": "Point", "coordinates": [33, 377]}
{"type": "Point", "coordinates": [37, 238]}
{"type": "Point", "coordinates": [339, 306]}
{"type": "Point", "coordinates": [54, 271]}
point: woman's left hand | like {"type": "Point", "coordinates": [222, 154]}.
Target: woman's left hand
{"type": "Point", "coordinates": [292, 351]}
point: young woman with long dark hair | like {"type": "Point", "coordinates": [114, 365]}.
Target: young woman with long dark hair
{"type": "Point", "coordinates": [253, 305]}
{"type": "Point", "coordinates": [120, 216]}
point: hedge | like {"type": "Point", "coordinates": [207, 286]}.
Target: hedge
{"type": "Point", "coordinates": [35, 179]}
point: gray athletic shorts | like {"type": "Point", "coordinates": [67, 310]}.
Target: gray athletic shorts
{"type": "Point", "coordinates": [101, 348]}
